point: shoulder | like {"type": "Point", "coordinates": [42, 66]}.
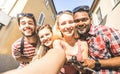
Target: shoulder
{"type": "Point", "coordinates": [56, 41]}
{"type": "Point", "coordinates": [82, 43]}
{"type": "Point", "coordinates": [59, 42]}
{"type": "Point", "coordinates": [17, 42]}
{"type": "Point", "coordinates": [102, 29]}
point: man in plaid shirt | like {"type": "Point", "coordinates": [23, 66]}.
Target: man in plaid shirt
{"type": "Point", "coordinates": [104, 43]}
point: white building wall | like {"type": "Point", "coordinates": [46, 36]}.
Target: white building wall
{"type": "Point", "coordinates": [113, 19]}
{"type": "Point", "coordinates": [109, 9]}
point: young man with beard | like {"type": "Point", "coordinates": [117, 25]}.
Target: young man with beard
{"type": "Point", "coordinates": [103, 42]}
{"type": "Point", "coordinates": [23, 49]}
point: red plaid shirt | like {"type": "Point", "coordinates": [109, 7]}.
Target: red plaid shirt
{"type": "Point", "coordinates": [98, 35]}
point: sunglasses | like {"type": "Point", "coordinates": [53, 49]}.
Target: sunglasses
{"type": "Point", "coordinates": [25, 15]}
{"type": "Point", "coordinates": [64, 11]}
{"type": "Point", "coordinates": [81, 8]}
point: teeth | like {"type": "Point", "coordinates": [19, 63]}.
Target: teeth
{"type": "Point", "coordinates": [81, 26]}
{"type": "Point", "coordinates": [45, 40]}
{"type": "Point", "coordinates": [69, 29]}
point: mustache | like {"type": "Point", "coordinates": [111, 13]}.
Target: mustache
{"type": "Point", "coordinates": [81, 26]}
{"type": "Point", "coordinates": [33, 34]}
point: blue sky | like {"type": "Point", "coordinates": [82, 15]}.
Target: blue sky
{"type": "Point", "coordinates": [70, 4]}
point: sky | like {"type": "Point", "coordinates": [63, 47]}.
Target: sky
{"type": "Point", "coordinates": [70, 4]}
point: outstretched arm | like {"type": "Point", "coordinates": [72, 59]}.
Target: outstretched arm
{"type": "Point", "coordinates": [51, 63]}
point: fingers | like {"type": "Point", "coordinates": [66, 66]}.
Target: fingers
{"type": "Point", "coordinates": [89, 63]}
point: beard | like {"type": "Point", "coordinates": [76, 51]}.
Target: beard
{"type": "Point", "coordinates": [34, 33]}
{"type": "Point", "coordinates": [83, 31]}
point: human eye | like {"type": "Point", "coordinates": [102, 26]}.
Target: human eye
{"type": "Point", "coordinates": [30, 23]}
{"type": "Point", "coordinates": [41, 36]}
{"type": "Point", "coordinates": [22, 23]}
{"type": "Point", "coordinates": [63, 23]}
{"type": "Point", "coordinates": [84, 19]}
{"type": "Point", "coordinates": [77, 20]}
{"type": "Point", "coordinates": [71, 22]}
{"type": "Point", "coordinates": [47, 34]}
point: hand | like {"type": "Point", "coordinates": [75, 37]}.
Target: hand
{"type": "Point", "coordinates": [88, 63]}
{"type": "Point", "coordinates": [85, 66]}
{"type": "Point", "coordinates": [78, 65]}
{"type": "Point", "coordinates": [17, 52]}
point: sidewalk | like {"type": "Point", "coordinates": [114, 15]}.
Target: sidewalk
{"type": "Point", "coordinates": [7, 62]}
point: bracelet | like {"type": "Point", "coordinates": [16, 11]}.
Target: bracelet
{"type": "Point", "coordinates": [97, 65]}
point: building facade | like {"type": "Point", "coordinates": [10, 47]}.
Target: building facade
{"type": "Point", "coordinates": [106, 12]}
{"type": "Point", "coordinates": [43, 10]}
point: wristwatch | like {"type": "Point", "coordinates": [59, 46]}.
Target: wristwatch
{"type": "Point", "coordinates": [97, 65]}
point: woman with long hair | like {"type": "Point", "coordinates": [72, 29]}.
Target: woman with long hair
{"type": "Point", "coordinates": [45, 35]}
{"type": "Point", "coordinates": [64, 29]}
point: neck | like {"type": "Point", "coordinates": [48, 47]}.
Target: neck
{"type": "Point", "coordinates": [83, 36]}
{"type": "Point", "coordinates": [32, 39]}
{"type": "Point", "coordinates": [50, 46]}
{"type": "Point", "coordinates": [70, 40]}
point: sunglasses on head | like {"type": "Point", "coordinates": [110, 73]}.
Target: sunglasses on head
{"type": "Point", "coordinates": [81, 8]}
{"type": "Point", "coordinates": [64, 11]}
{"type": "Point", "coordinates": [25, 15]}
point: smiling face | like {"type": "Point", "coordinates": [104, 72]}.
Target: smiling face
{"type": "Point", "coordinates": [66, 25]}
{"type": "Point", "coordinates": [27, 26]}
{"type": "Point", "coordinates": [45, 36]}
{"type": "Point", "coordinates": [82, 21]}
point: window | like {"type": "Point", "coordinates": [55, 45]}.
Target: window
{"type": "Point", "coordinates": [2, 4]}
{"type": "Point", "coordinates": [99, 15]}
{"type": "Point", "coordinates": [116, 1]}
{"type": "Point", "coordinates": [46, 3]}
{"type": "Point", "coordinates": [7, 5]}
{"type": "Point", "coordinates": [18, 7]}
{"type": "Point", "coordinates": [41, 18]}
{"type": "Point", "coordinates": [53, 16]}
{"type": "Point", "coordinates": [4, 18]}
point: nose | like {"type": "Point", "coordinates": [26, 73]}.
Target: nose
{"type": "Point", "coordinates": [68, 25]}
{"type": "Point", "coordinates": [80, 23]}
{"type": "Point", "coordinates": [26, 24]}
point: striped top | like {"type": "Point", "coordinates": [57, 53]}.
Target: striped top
{"type": "Point", "coordinates": [28, 51]}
